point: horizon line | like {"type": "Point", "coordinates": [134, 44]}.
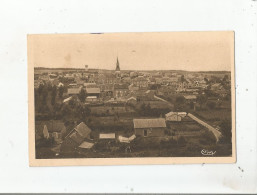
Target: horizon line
{"type": "Point", "coordinates": [135, 69]}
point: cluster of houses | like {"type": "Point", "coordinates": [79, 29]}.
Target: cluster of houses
{"type": "Point", "coordinates": [115, 86]}
{"type": "Point", "coordinates": [80, 137]}
{"type": "Point", "coordinates": [101, 85]}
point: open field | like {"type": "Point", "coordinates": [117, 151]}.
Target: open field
{"type": "Point", "coordinates": [185, 138]}
{"type": "Point", "coordinates": [158, 104]}
{"type": "Point", "coordinates": [214, 115]}
{"type": "Point", "coordinates": [108, 110]}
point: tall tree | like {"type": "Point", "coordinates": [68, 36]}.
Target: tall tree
{"type": "Point", "coordinates": [40, 89]}
{"type": "Point", "coordinates": [180, 100]}
{"type": "Point", "coordinates": [201, 99]}
{"type": "Point", "coordinates": [61, 91]}
{"type": "Point", "coordinates": [53, 95]}
{"type": "Point", "coordinates": [82, 95]}
{"type": "Point", "coordinates": [182, 78]}
{"type": "Point", "coordinates": [226, 130]}
{"type": "Point", "coordinates": [44, 94]}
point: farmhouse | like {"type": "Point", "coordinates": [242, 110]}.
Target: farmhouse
{"type": "Point", "coordinates": [76, 137]}
{"type": "Point", "coordinates": [93, 91]}
{"type": "Point", "coordinates": [149, 127]}
{"type": "Point", "coordinates": [175, 116]}
{"type": "Point", "coordinates": [190, 98]}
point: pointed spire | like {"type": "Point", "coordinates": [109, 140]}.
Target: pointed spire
{"type": "Point", "coordinates": [117, 65]}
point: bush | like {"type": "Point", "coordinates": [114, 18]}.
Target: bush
{"type": "Point", "coordinates": [166, 144]}
{"type": "Point", "coordinates": [211, 105]}
{"type": "Point", "coordinates": [181, 140]}
{"type": "Point", "coordinates": [208, 138]}
{"type": "Point", "coordinates": [226, 130]}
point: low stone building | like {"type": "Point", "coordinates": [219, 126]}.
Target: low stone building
{"type": "Point", "coordinates": [149, 127]}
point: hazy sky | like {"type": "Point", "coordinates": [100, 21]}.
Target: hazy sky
{"type": "Point", "coordinates": [192, 51]}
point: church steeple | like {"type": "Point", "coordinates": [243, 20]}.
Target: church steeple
{"type": "Point", "coordinates": [117, 66]}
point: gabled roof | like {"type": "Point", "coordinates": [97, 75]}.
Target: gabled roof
{"type": "Point", "coordinates": [132, 98]}
{"type": "Point", "coordinates": [149, 123]}
{"type": "Point", "coordinates": [107, 135]}
{"type": "Point", "coordinates": [83, 129]}
{"type": "Point", "coordinates": [125, 139]}
{"type": "Point", "coordinates": [79, 133]}
{"type": "Point", "coordinates": [76, 137]}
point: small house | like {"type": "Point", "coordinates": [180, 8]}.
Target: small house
{"type": "Point", "coordinates": [107, 136]}
{"type": "Point", "coordinates": [77, 136]}
{"type": "Point", "coordinates": [132, 101]}
{"type": "Point", "coordinates": [93, 91]}
{"type": "Point", "coordinates": [175, 116]}
{"type": "Point", "coordinates": [190, 98]}
{"type": "Point", "coordinates": [149, 127]}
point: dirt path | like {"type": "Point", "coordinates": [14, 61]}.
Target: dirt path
{"type": "Point", "coordinates": [216, 133]}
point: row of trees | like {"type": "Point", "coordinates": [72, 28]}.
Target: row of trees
{"type": "Point", "coordinates": [146, 110]}
{"type": "Point", "coordinates": [202, 100]}
{"type": "Point", "coordinates": [46, 103]}
{"type": "Point", "coordinates": [44, 91]}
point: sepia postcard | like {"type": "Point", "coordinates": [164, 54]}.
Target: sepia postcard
{"type": "Point", "coordinates": [131, 98]}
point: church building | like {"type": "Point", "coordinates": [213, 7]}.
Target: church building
{"type": "Point", "coordinates": [117, 70]}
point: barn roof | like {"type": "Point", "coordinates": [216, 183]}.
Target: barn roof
{"type": "Point", "coordinates": [149, 123]}
{"type": "Point", "coordinates": [79, 133]}
{"type": "Point", "coordinates": [107, 135]}
{"type": "Point", "coordinates": [83, 129]}
{"type": "Point", "coordinates": [75, 136]}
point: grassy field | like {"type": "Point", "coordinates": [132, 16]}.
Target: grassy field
{"type": "Point", "coordinates": [179, 145]}
{"type": "Point", "coordinates": [214, 115]}
{"type": "Point", "coordinates": [110, 110]}
{"type": "Point", "coordinates": [158, 104]}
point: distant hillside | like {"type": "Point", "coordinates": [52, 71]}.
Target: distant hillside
{"type": "Point", "coordinates": [177, 71]}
